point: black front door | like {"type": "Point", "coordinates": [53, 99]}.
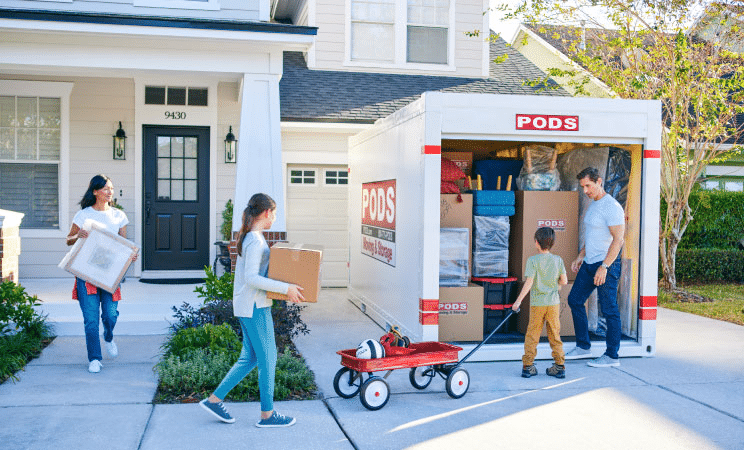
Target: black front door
{"type": "Point", "coordinates": [176, 198]}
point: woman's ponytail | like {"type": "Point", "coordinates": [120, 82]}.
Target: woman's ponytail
{"type": "Point", "coordinates": [256, 206]}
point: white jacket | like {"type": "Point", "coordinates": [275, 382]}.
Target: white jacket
{"type": "Point", "coordinates": [251, 283]}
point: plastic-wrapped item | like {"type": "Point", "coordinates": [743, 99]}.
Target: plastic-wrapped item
{"type": "Point", "coordinates": [539, 171]}
{"type": "Point", "coordinates": [569, 165]}
{"type": "Point", "coordinates": [491, 233]}
{"type": "Point", "coordinates": [454, 248]}
{"type": "Point", "coordinates": [618, 174]}
{"type": "Point", "coordinates": [491, 264]}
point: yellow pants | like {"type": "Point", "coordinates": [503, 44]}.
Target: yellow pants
{"type": "Point", "coordinates": [550, 316]}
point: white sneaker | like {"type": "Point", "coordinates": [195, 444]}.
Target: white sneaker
{"type": "Point", "coordinates": [94, 366]}
{"type": "Point", "coordinates": [579, 353]}
{"type": "Point", "coordinates": [112, 350]}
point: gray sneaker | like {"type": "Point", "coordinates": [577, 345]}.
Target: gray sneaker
{"type": "Point", "coordinates": [275, 421]}
{"type": "Point", "coordinates": [604, 361]}
{"type": "Point", "coordinates": [579, 353]}
{"type": "Point", "coordinates": [217, 410]}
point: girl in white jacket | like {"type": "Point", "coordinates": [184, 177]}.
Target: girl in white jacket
{"type": "Point", "coordinates": [253, 310]}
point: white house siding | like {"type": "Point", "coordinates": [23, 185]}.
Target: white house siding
{"type": "Point", "coordinates": [96, 107]}
{"type": "Point", "coordinates": [229, 9]}
{"type": "Point", "coordinates": [228, 115]}
{"type": "Point", "coordinates": [330, 44]}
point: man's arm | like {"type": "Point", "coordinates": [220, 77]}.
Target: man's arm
{"type": "Point", "coordinates": [618, 239]}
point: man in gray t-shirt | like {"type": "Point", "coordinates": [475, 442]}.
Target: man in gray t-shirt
{"type": "Point", "coordinates": [598, 267]}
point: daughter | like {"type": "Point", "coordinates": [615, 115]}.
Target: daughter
{"type": "Point", "coordinates": [253, 310]}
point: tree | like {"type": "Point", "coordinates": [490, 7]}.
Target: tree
{"type": "Point", "coordinates": [685, 54]}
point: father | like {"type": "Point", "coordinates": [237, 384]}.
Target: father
{"type": "Point", "coordinates": [598, 266]}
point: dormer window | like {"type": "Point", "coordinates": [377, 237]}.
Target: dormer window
{"type": "Point", "coordinates": [399, 32]}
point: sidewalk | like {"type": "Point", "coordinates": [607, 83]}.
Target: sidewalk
{"type": "Point", "coordinates": [690, 396]}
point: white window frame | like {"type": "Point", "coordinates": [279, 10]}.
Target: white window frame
{"type": "Point", "coordinates": [325, 171]}
{"type": "Point", "coordinates": [401, 43]}
{"type": "Point", "coordinates": [289, 176]}
{"type": "Point", "coordinates": [54, 90]}
{"type": "Point", "coordinates": [210, 5]}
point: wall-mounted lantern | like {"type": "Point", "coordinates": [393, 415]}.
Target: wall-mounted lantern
{"type": "Point", "coordinates": [120, 139]}
{"type": "Point", "coordinates": [231, 147]}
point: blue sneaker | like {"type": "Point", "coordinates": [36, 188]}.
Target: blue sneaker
{"type": "Point", "coordinates": [275, 421]}
{"type": "Point", "coordinates": [217, 410]}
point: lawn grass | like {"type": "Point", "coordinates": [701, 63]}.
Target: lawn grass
{"type": "Point", "coordinates": [727, 301]}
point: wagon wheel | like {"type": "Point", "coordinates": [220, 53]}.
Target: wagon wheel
{"type": "Point", "coordinates": [375, 393]}
{"type": "Point", "coordinates": [346, 383]}
{"type": "Point", "coordinates": [406, 342]}
{"type": "Point", "coordinates": [458, 382]}
{"type": "Point", "coordinates": [421, 376]}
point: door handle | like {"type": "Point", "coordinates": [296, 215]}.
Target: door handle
{"type": "Point", "coordinates": [147, 212]}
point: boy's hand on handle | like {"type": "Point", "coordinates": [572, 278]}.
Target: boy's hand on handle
{"type": "Point", "coordinates": [515, 306]}
{"type": "Point", "coordinates": [294, 293]}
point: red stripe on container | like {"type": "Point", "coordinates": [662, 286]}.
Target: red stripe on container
{"type": "Point", "coordinates": [428, 305]}
{"type": "Point", "coordinates": [652, 153]}
{"type": "Point", "coordinates": [647, 314]}
{"type": "Point", "coordinates": [428, 318]}
{"type": "Point", "coordinates": [648, 301]}
{"type": "Point", "coordinates": [432, 149]}
{"type": "Point", "coordinates": [497, 307]}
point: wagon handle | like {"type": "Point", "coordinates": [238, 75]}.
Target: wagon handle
{"type": "Point", "coordinates": [511, 313]}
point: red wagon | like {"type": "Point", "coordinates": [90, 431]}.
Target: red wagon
{"type": "Point", "coordinates": [425, 359]}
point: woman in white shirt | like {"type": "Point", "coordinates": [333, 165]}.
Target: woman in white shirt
{"type": "Point", "coordinates": [253, 310]}
{"type": "Point", "coordinates": [96, 207]}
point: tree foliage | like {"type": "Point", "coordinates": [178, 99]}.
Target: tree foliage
{"type": "Point", "coordinates": [686, 54]}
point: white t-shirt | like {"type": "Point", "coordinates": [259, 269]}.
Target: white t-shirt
{"type": "Point", "coordinates": [112, 219]}
{"type": "Point", "coordinates": [600, 215]}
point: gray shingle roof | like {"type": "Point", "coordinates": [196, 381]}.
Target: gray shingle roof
{"type": "Point", "coordinates": [335, 96]}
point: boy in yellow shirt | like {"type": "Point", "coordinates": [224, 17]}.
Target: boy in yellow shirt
{"type": "Point", "coordinates": [545, 273]}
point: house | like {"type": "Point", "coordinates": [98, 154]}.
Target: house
{"type": "Point", "coordinates": [291, 80]}
{"type": "Point", "coordinates": [545, 47]}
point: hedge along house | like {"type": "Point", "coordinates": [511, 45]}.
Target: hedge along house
{"type": "Point", "coordinates": [174, 77]}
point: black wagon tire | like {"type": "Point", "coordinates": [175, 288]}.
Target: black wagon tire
{"type": "Point", "coordinates": [421, 376]}
{"type": "Point", "coordinates": [375, 393]}
{"type": "Point", "coordinates": [458, 382]}
{"type": "Point", "coordinates": [347, 382]}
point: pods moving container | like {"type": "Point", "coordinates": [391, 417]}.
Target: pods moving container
{"type": "Point", "coordinates": [394, 192]}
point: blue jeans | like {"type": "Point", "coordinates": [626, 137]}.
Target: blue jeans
{"type": "Point", "coordinates": [607, 299]}
{"type": "Point", "coordinates": [259, 349]}
{"type": "Point", "coordinates": [90, 305]}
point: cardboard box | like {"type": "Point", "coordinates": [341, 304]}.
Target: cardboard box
{"type": "Point", "coordinates": [461, 313]}
{"type": "Point", "coordinates": [454, 214]}
{"type": "Point", "coordinates": [567, 328]}
{"type": "Point", "coordinates": [298, 264]}
{"type": "Point", "coordinates": [534, 209]}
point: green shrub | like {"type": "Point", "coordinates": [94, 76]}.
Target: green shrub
{"type": "Point", "coordinates": [215, 338]}
{"type": "Point", "coordinates": [199, 372]}
{"type": "Point", "coordinates": [18, 349]}
{"type": "Point", "coordinates": [718, 220]}
{"type": "Point", "coordinates": [227, 216]}
{"type": "Point", "coordinates": [218, 309]}
{"type": "Point", "coordinates": [704, 265]}
{"type": "Point", "coordinates": [16, 308]}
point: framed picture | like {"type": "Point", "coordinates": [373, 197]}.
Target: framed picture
{"type": "Point", "coordinates": [101, 259]}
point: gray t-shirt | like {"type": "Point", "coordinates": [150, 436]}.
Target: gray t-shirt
{"type": "Point", "coordinates": [601, 215]}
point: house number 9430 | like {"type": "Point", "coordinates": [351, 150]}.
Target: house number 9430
{"type": "Point", "coordinates": [177, 115]}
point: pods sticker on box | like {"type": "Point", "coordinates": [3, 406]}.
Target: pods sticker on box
{"type": "Point", "coordinates": [378, 220]}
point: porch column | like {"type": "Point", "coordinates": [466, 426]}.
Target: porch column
{"type": "Point", "coordinates": [259, 165]}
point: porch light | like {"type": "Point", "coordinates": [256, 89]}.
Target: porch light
{"type": "Point", "coordinates": [120, 139]}
{"type": "Point", "coordinates": [231, 147]}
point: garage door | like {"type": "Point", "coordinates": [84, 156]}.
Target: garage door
{"type": "Point", "coordinates": [317, 213]}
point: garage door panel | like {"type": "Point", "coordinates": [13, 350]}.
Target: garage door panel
{"type": "Point", "coordinates": [318, 214]}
